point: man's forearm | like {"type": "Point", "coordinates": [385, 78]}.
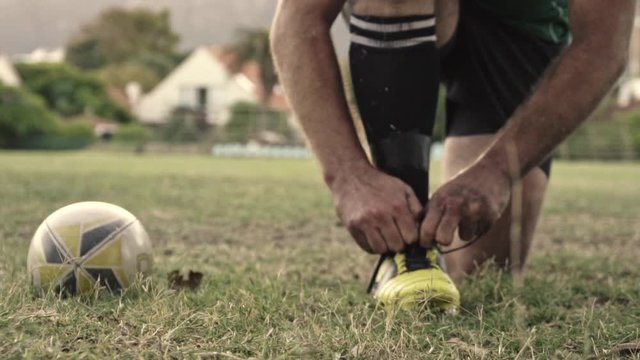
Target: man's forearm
{"type": "Point", "coordinates": [568, 93]}
{"type": "Point", "coordinates": [309, 71]}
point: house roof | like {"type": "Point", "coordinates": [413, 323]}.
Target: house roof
{"type": "Point", "coordinates": [250, 71]}
{"type": "Point", "coordinates": [119, 96]}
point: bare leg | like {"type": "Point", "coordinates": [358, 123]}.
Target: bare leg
{"type": "Point", "coordinates": [460, 152]}
{"type": "Point", "coordinates": [447, 12]}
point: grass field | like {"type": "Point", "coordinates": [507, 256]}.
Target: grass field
{"type": "Point", "coordinates": [283, 281]}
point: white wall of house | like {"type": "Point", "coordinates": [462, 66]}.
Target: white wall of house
{"type": "Point", "coordinates": [200, 79]}
{"type": "Point", "coordinates": [8, 74]}
{"type": "Point", "coordinates": [629, 91]}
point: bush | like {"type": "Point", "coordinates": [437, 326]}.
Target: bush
{"type": "Point", "coordinates": [23, 116]}
{"type": "Point", "coordinates": [69, 135]}
{"type": "Point", "coordinates": [134, 134]}
{"type": "Point", "coordinates": [633, 119]}
{"type": "Point", "coordinates": [185, 125]}
{"type": "Point", "coordinates": [76, 130]}
{"type": "Point", "coordinates": [249, 119]}
{"type": "Point", "coordinates": [70, 92]}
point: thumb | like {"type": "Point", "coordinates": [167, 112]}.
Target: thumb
{"type": "Point", "coordinates": [416, 208]}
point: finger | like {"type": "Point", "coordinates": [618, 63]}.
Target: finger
{"type": "Point", "coordinates": [450, 221]}
{"type": "Point", "coordinates": [447, 227]}
{"type": "Point", "coordinates": [376, 242]}
{"type": "Point", "coordinates": [407, 227]}
{"type": "Point", "coordinates": [415, 207]}
{"type": "Point", "coordinates": [430, 224]}
{"type": "Point", "coordinates": [361, 240]}
{"type": "Point", "coordinates": [474, 211]}
{"type": "Point", "coordinates": [392, 236]}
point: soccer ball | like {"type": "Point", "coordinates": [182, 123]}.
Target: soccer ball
{"type": "Point", "coordinates": [87, 245]}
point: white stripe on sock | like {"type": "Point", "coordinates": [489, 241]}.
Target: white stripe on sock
{"type": "Point", "coordinates": [407, 26]}
{"type": "Point", "coordinates": [391, 44]}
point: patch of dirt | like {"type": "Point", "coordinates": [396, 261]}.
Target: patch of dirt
{"type": "Point", "coordinates": [178, 282]}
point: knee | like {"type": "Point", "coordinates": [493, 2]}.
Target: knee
{"type": "Point", "coordinates": [464, 263]}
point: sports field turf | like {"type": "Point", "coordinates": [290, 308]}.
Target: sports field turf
{"type": "Point", "coordinates": [281, 280]}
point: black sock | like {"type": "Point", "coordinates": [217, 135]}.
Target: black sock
{"type": "Point", "coordinates": [396, 75]}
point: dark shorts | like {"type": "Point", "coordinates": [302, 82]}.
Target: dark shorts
{"type": "Point", "coordinates": [490, 68]}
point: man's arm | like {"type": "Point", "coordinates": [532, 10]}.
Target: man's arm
{"type": "Point", "coordinates": [569, 92]}
{"type": "Point", "coordinates": [310, 74]}
{"type": "Point", "coordinates": [379, 210]}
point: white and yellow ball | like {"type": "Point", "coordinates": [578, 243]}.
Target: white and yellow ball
{"type": "Point", "coordinates": [89, 244]}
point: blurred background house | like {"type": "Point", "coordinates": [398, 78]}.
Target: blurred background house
{"type": "Point", "coordinates": [629, 91]}
{"type": "Point", "coordinates": [8, 74]}
{"type": "Point", "coordinates": [204, 81]}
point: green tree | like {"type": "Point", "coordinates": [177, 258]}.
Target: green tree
{"type": "Point", "coordinates": [70, 92]}
{"type": "Point", "coordinates": [23, 116]}
{"type": "Point", "coordinates": [119, 75]}
{"type": "Point", "coordinates": [119, 36]}
{"type": "Point", "coordinates": [252, 45]}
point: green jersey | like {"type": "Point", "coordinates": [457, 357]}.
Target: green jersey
{"type": "Point", "coordinates": [547, 19]}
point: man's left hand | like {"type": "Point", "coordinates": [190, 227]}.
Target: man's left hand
{"type": "Point", "coordinates": [471, 202]}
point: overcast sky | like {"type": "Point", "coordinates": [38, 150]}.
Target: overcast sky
{"type": "Point", "coordinates": [28, 24]}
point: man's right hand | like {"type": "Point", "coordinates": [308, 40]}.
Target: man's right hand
{"type": "Point", "coordinates": [381, 212]}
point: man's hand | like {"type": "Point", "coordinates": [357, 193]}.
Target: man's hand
{"type": "Point", "coordinates": [473, 200]}
{"type": "Point", "coordinates": [381, 212]}
{"type": "Point", "coordinates": [471, 203]}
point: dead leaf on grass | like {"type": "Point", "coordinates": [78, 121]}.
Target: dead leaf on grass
{"type": "Point", "coordinates": [40, 314]}
{"type": "Point", "coordinates": [626, 349]}
{"type": "Point", "coordinates": [191, 282]}
{"type": "Point", "coordinates": [471, 349]}
{"type": "Point", "coordinates": [631, 348]}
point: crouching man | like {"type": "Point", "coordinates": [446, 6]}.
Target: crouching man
{"type": "Point", "coordinates": [520, 77]}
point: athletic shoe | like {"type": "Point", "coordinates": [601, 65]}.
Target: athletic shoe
{"type": "Point", "coordinates": [414, 279]}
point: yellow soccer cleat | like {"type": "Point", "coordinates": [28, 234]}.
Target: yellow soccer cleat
{"type": "Point", "coordinates": [414, 279]}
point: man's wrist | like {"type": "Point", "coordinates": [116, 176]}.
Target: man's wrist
{"type": "Point", "coordinates": [499, 161]}
{"type": "Point", "coordinates": [335, 176]}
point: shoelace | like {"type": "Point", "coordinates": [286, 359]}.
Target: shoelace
{"type": "Point", "coordinates": [375, 271]}
{"type": "Point", "coordinates": [466, 245]}
{"type": "Point", "coordinates": [416, 258]}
